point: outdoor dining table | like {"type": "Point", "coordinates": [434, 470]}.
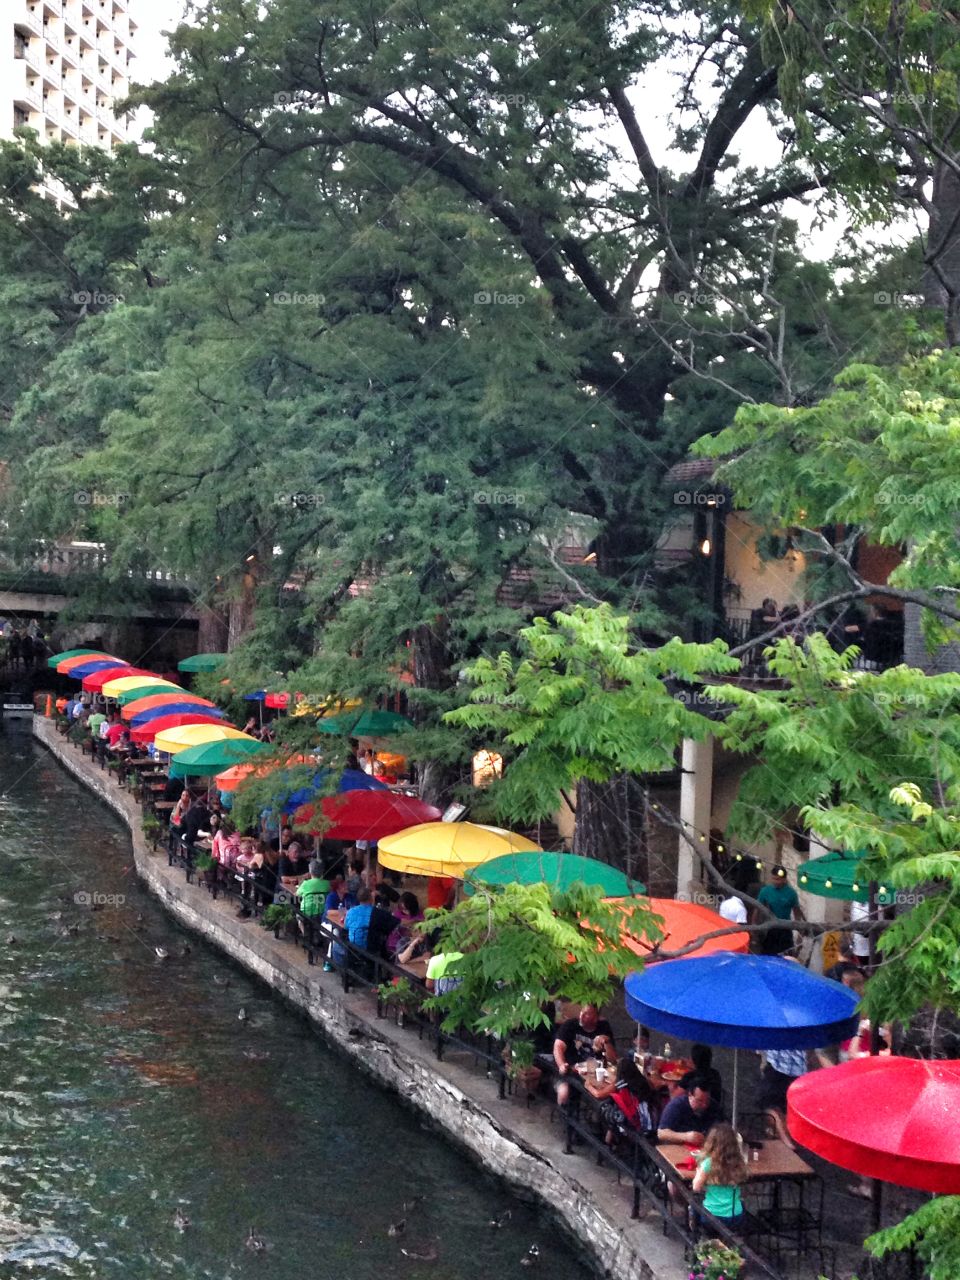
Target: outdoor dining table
{"type": "Point", "coordinates": [768, 1161]}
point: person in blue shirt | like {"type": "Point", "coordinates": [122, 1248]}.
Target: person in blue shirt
{"type": "Point", "coordinates": [357, 920]}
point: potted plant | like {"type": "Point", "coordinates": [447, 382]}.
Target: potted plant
{"type": "Point", "coordinates": [151, 828]}
{"type": "Point", "coordinates": [519, 1059]}
{"type": "Point", "coordinates": [278, 916]}
{"type": "Point", "coordinates": [398, 994]}
{"type": "Point", "coordinates": [714, 1260]}
{"type": "Point", "coordinates": [207, 867]}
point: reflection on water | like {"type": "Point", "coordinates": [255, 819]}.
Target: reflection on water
{"type": "Point", "coordinates": [130, 1090]}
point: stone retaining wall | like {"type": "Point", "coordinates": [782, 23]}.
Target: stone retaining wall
{"type": "Point", "coordinates": [510, 1140]}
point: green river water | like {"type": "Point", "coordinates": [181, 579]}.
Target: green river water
{"type": "Point", "coordinates": [130, 1088]}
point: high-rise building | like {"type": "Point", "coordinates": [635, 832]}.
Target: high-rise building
{"type": "Point", "coordinates": [67, 64]}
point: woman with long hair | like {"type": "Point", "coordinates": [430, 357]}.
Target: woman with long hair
{"type": "Point", "coordinates": [721, 1173]}
{"type": "Point", "coordinates": [628, 1101]}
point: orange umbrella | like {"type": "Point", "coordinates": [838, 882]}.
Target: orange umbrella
{"type": "Point", "coordinates": [65, 667]}
{"type": "Point", "coordinates": [682, 923]}
{"type": "Point", "coordinates": [231, 778]}
{"type": "Point", "coordinates": [153, 700]}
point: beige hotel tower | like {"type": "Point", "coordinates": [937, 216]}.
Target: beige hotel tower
{"type": "Point", "coordinates": [66, 63]}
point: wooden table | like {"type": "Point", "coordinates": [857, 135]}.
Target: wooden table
{"type": "Point", "coordinates": [774, 1159]}
{"type": "Point", "coordinates": [416, 968]}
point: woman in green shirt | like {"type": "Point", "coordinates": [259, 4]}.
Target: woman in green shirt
{"type": "Point", "coordinates": [721, 1172]}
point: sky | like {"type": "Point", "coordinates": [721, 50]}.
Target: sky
{"type": "Point", "coordinates": [755, 140]}
{"type": "Point", "coordinates": [153, 16]}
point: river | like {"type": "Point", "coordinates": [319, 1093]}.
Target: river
{"type": "Point", "coordinates": [134, 1088]}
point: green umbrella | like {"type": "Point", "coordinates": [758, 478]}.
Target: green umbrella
{"type": "Point", "coordinates": [365, 724]}
{"type": "Point", "coordinates": [202, 662]}
{"type": "Point", "coordinates": [213, 757]}
{"type": "Point", "coordinates": [559, 870]}
{"type": "Point", "coordinates": [146, 690]}
{"type": "Point", "coordinates": [69, 653]}
{"type": "Point", "coordinates": [837, 875]}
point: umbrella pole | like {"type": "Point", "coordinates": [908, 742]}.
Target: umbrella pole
{"type": "Point", "coordinates": [736, 1072]}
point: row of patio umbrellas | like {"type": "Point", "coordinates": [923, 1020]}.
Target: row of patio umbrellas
{"type": "Point", "coordinates": [908, 1134]}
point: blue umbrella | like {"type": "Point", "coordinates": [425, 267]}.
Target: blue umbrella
{"type": "Point", "coordinates": [175, 709]}
{"type": "Point", "coordinates": [350, 780]}
{"type": "Point", "coordinates": [255, 697]}
{"type": "Point", "coordinates": [95, 664]}
{"type": "Point", "coordinates": [743, 1002]}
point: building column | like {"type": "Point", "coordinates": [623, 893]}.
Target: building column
{"type": "Point", "coordinates": [696, 807]}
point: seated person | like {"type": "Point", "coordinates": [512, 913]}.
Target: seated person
{"type": "Point", "coordinates": [687, 1117]}
{"type": "Point", "coordinates": [439, 978]}
{"type": "Point", "coordinates": [421, 946]}
{"type": "Point", "coordinates": [294, 865]}
{"type": "Point", "coordinates": [312, 892]}
{"type": "Point", "coordinates": [587, 1036]}
{"type": "Point", "coordinates": [628, 1102]}
{"type": "Point", "coordinates": [406, 914]}
{"type": "Point", "coordinates": [702, 1057]}
{"type": "Point", "coordinates": [720, 1174]}
{"type": "Point", "coordinates": [639, 1051]}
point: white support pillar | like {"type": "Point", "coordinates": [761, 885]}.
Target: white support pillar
{"type": "Point", "coordinates": [696, 804]}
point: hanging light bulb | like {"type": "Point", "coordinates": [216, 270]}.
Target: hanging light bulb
{"type": "Point", "coordinates": [705, 547]}
{"type": "Point", "coordinates": [855, 887]}
{"type": "Point", "coordinates": [828, 884]}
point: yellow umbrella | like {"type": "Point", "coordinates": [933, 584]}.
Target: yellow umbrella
{"type": "Point", "coordinates": [195, 735]}
{"type": "Point", "coordinates": [448, 848]}
{"type": "Point", "coordinates": [122, 683]}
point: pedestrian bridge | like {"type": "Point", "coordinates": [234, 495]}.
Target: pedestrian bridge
{"type": "Point", "coordinates": [60, 577]}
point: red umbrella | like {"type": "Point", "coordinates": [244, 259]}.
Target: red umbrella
{"type": "Point", "coordinates": [96, 681]}
{"type": "Point", "coordinates": [145, 733]}
{"type": "Point", "coordinates": [897, 1119]}
{"type": "Point", "coordinates": [368, 815]}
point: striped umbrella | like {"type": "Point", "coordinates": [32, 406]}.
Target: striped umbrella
{"type": "Point", "coordinates": [144, 733]}
{"type": "Point", "coordinates": [55, 659]}
{"type": "Point", "coordinates": [147, 691]}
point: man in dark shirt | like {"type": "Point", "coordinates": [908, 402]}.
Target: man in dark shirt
{"type": "Point", "coordinates": [701, 1055]}
{"type": "Point", "coordinates": [687, 1117]}
{"type": "Point", "coordinates": [578, 1039]}
{"type": "Point", "coordinates": [195, 821]}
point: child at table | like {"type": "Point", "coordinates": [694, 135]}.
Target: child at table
{"type": "Point", "coordinates": [627, 1101]}
{"type": "Point", "coordinates": [720, 1174]}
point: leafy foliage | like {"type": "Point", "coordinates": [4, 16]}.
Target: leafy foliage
{"type": "Point", "coordinates": [525, 945]}
{"type": "Point", "coordinates": [583, 702]}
